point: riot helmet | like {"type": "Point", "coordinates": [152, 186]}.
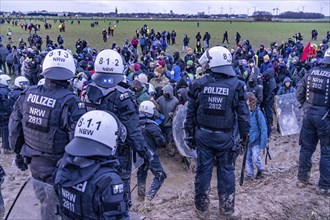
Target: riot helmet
{"type": "Point", "coordinates": [218, 59]}
{"type": "Point", "coordinates": [5, 80]}
{"type": "Point", "coordinates": [97, 133]}
{"type": "Point", "coordinates": [109, 69]}
{"type": "Point", "coordinates": [326, 59]}
{"type": "Point", "coordinates": [21, 82]}
{"type": "Point", "coordinates": [147, 108]}
{"type": "Point", "coordinates": [58, 65]}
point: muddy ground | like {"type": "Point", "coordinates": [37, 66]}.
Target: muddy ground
{"type": "Point", "coordinates": [273, 197]}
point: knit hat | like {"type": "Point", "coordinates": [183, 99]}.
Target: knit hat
{"type": "Point", "coordinates": [190, 63]}
{"type": "Point", "coordinates": [266, 57]}
{"type": "Point", "coordinates": [137, 67]}
{"type": "Point", "coordinates": [189, 49]}
{"type": "Point", "coordinates": [161, 63]}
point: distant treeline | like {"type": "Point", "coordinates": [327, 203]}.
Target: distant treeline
{"type": "Point", "coordinates": [259, 15]}
{"type": "Point", "coordinates": [301, 15]}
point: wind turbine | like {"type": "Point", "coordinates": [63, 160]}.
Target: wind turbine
{"type": "Point", "coordinates": [247, 10]}
{"type": "Point", "coordinates": [208, 9]}
{"type": "Point", "coordinates": [255, 8]}
{"type": "Point", "coordinates": [277, 9]}
{"type": "Point", "coordinates": [221, 9]}
{"type": "Point", "coordinates": [321, 7]}
{"type": "Point", "coordinates": [303, 8]}
{"type": "Point", "coordinates": [230, 8]}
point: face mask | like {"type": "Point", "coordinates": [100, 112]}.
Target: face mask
{"type": "Point", "coordinates": [251, 64]}
{"type": "Point", "coordinates": [167, 95]}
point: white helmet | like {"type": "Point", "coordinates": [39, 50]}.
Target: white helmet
{"type": "Point", "coordinates": [58, 65]}
{"type": "Point", "coordinates": [147, 107]}
{"type": "Point", "coordinates": [326, 59]}
{"type": "Point", "coordinates": [97, 133]}
{"type": "Point", "coordinates": [5, 80]}
{"type": "Point", "coordinates": [21, 82]}
{"type": "Point", "coordinates": [218, 59]}
{"type": "Point", "coordinates": [109, 69]}
{"type": "Point", "coordinates": [41, 82]}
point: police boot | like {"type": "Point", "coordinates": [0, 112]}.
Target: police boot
{"type": "Point", "coordinates": [155, 185]}
{"type": "Point", "coordinates": [141, 191]}
{"type": "Point", "coordinates": [227, 203]}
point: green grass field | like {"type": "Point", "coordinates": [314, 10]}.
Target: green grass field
{"type": "Point", "coordinates": [256, 32]}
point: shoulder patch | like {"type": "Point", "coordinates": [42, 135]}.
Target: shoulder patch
{"type": "Point", "coordinates": [124, 96]}
{"type": "Point", "coordinates": [81, 105]}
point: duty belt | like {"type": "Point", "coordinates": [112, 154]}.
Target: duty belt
{"type": "Point", "coordinates": [213, 130]}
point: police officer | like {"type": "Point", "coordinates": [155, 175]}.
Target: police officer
{"type": "Point", "coordinates": [108, 91]}
{"type": "Point", "coordinates": [20, 84]}
{"type": "Point", "coordinates": [313, 93]}
{"type": "Point", "coordinates": [154, 137]}
{"type": "Point", "coordinates": [43, 122]}
{"type": "Point", "coordinates": [87, 182]}
{"type": "Point", "coordinates": [215, 102]}
{"type": "Point", "coordinates": [5, 110]}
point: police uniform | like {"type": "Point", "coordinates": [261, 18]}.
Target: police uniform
{"type": "Point", "coordinates": [5, 110]}
{"type": "Point", "coordinates": [216, 101]}
{"type": "Point", "coordinates": [119, 100]}
{"type": "Point", "coordinates": [87, 181]}
{"type": "Point", "coordinates": [314, 94]}
{"type": "Point", "coordinates": [43, 122]}
{"type": "Point", "coordinates": [154, 138]}
{"type": "Point", "coordinates": [89, 190]}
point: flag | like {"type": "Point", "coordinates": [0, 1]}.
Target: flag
{"type": "Point", "coordinates": [305, 54]}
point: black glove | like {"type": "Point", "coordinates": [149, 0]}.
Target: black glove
{"type": "Point", "coordinates": [19, 161]}
{"type": "Point", "coordinates": [148, 157]}
{"type": "Point", "coordinates": [190, 140]}
{"type": "Point", "coordinates": [191, 143]}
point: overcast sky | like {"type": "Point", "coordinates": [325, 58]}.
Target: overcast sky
{"type": "Point", "coordinates": [158, 6]}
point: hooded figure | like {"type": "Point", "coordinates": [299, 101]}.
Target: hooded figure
{"type": "Point", "coordinates": [269, 93]}
{"type": "Point", "coordinates": [286, 87]}
{"type": "Point", "coordinates": [178, 60]}
{"type": "Point", "coordinates": [252, 86]}
{"type": "Point", "coordinates": [167, 104]}
{"type": "Point", "coordinates": [282, 73]}
{"type": "Point", "coordinates": [182, 91]}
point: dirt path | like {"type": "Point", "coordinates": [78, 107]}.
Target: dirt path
{"type": "Point", "coordinates": [274, 197]}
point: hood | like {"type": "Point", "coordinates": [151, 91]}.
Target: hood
{"type": "Point", "coordinates": [252, 80]}
{"type": "Point", "coordinates": [287, 79]}
{"type": "Point", "coordinates": [269, 73]}
{"type": "Point", "coordinates": [168, 89]}
{"type": "Point", "coordinates": [176, 55]}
